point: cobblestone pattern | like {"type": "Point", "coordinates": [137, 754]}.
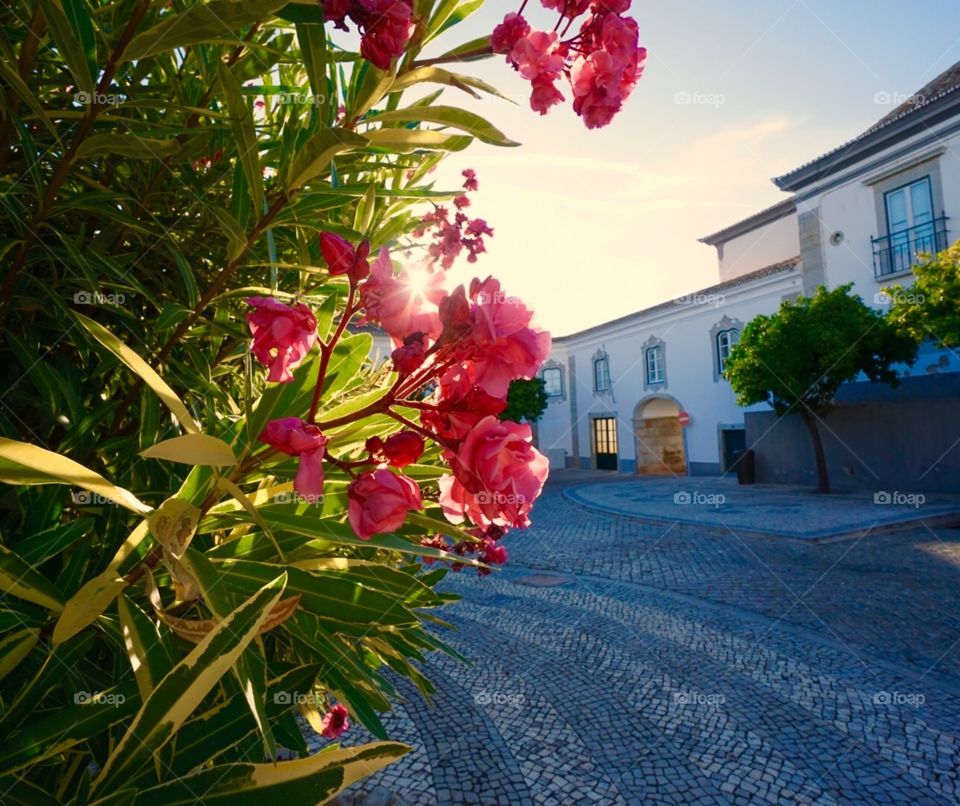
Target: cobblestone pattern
{"type": "Point", "coordinates": [679, 668]}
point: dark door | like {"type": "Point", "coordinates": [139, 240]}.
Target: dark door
{"type": "Point", "coordinates": [734, 439]}
{"type": "Point", "coordinates": [605, 442]}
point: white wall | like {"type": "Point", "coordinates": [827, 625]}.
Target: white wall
{"type": "Point", "coordinates": [686, 331]}
{"type": "Point", "coordinates": [772, 243]}
{"type": "Point", "coordinates": [851, 208]}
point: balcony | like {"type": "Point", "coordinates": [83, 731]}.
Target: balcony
{"type": "Point", "coordinates": [896, 253]}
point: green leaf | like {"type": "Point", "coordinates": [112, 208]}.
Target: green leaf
{"type": "Point", "coordinates": [149, 654]}
{"type": "Point", "coordinates": [245, 133]}
{"type": "Point", "coordinates": [96, 594]}
{"type": "Point", "coordinates": [14, 647]}
{"type": "Point", "coordinates": [449, 116]}
{"type": "Point", "coordinates": [22, 463]}
{"type": "Point", "coordinates": [313, 157]}
{"type": "Point", "coordinates": [75, 45]}
{"type": "Point", "coordinates": [207, 22]}
{"type": "Point", "coordinates": [315, 779]}
{"type": "Point", "coordinates": [21, 792]}
{"type": "Point", "coordinates": [39, 548]}
{"type": "Point", "coordinates": [250, 668]}
{"type": "Point", "coordinates": [313, 49]}
{"type": "Point", "coordinates": [46, 736]}
{"type": "Point", "coordinates": [184, 687]}
{"type": "Point", "coordinates": [230, 227]}
{"type": "Point", "coordinates": [19, 579]}
{"type": "Point", "coordinates": [326, 596]}
{"type": "Point", "coordinates": [128, 145]}
{"type": "Point", "coordinates": [192, 449]}
{"type": "Point", "coordinates": [404, 141]}
{"type": "Point", "coordinates": [142, 369]}
{"type": "Point", "coordinates": [438, 75]}
{"type": "Point", "coordinates": [302, 13]}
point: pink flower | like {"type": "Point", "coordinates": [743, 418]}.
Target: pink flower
{"type": "Point", "coordinates": [605, 78]}
{"type": "Point", "coordinates": [378, 502]}
{"type": "Point", "coordinates": [410, 356]}
{"type": "Point", "coordinates": [507, 347]}
{"type": "Point", "coordinates": [506, 34]}
{"type": "Point", "coordinates": [545, 94]}
{"type": "Point", "coordinates": [294, 437]}
{"type": "Point", "coordinates": [470, 177]}
{"type": "Point", "coordinates": [535, 56]}
{"type": "Point", "coordinates": [387, 28]}
{"type": "Point", "coordinates": [399, 450]}
{"type": "Point", "coordinates": [454, 417]}
{"type": "Point", "coordinates": [497, 475]}
{"type": "Point", "coordinates": [342, 258]}
{"type": "Point", "coordinates": [494, 553]}
{"type": "Point", "coordinates": [400, 305]}
{"type": "Point", "coordinates": [567, 8]}
{"type": "Point", "coordinates": [282, 335]}
{"type": "Point", "coordinates": [335, 722]}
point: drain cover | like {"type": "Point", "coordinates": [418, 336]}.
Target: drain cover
{"type": "Point", "coordinates": [544, 580]}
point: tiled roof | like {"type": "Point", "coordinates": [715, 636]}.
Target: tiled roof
{"type": "Point", "coordinates": [947, 81]}
{"type": "Point", "coordinates": [678, 302]}
{"type": "Point", "coordinates": [944, 85]}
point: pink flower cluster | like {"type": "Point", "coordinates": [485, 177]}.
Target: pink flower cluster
{"type": "Point", "coordinates": [456, 354]}
{"type": "Point", "coordinates": [602, 61]}
{"type": "Point", "coordinates": [452, 235]}
{"type": "Point", "coordinates": [385, 26]}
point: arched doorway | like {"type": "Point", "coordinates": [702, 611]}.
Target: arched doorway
{"type": "Point", "coordinates": [659, 436]}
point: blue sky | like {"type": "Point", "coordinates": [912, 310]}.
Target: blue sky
{"type": "Point", "coordinates": [591, 225]}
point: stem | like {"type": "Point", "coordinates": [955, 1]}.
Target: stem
{"type": "Point", "coordinates": [418, 428]}
{"type": "Point", "coordinates": [326, 350]}
{"type": "Point", "coordinates": [377, 407]}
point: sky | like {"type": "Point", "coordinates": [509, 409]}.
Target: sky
{"type": "Point", "coordinates": [591, 225]}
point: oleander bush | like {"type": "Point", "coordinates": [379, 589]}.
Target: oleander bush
{"type": "Point", "coordinates": [224, 516]}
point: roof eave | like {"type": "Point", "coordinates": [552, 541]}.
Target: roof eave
{"type": "Point", "coordinates": [916, 122]}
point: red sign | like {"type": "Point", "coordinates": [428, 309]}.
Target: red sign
{"type": "Point", "coordinates": [684, 419]}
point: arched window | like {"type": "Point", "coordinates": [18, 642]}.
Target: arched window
{"type": "Point", "coordinates": [654, 363]}
{"type": "Point", "coordinates": [726, 339]}
{"type": "Point", "coordinates": [601, 374]}
{"type": "Point", "coordinates": [723, 336]}
{"type": "Point", "coordinates": [553, 381]}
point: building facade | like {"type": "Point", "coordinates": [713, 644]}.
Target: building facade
{"type": "Point", "coordinates": [645, 393]}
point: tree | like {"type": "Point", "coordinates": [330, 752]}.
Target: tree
{"type": "Point", "coordinates": [930, 308]}
{"type": "Point", "coordinates": [797, 358]}
{"type": "Point", "coordinates": [199, 198]}
{"type": "Point", "coordinates": [526, 400]}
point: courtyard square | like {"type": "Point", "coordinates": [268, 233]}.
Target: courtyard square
{"type": "Point", "coordinates": [674, 664]}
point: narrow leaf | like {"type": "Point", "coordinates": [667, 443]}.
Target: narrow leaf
{"type": "Point", "coordinates": [192, 449]}
{"type": "Point", "coordinates": [143, 370]}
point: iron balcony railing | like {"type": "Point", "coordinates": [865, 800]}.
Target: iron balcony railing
{"type": "Point", "coordinates": [899, 251]}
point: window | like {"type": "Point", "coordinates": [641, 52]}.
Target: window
{"type": "Point", "coordinates": [654, 359]}
{"type": "Point", "coordinates": [601, 374]}
{"type": "Point", "coordinates": [910, 225]}
{"type": "Point", "coordinates": [553, 381]}
{"type": "Point", "coordinates": [726, 339]}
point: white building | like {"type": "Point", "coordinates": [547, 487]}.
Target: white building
{"type": "Point", "coordinates": [644, 393]}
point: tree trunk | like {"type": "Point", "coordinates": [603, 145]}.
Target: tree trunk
{"type": "Point", "coordinates": [823, 477]}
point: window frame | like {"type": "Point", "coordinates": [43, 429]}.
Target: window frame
{"type": "Point", "coordinates": [559, 373]}
{"type": "Point", "coordinates": [730, 344]}
{"type": "Point", "coordinates": [656, 352]}
{"type": "Point", "coordinates": [598, 362]}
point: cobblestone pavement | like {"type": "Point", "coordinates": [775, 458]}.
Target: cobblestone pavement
{"type": "Point", "coordinates": [673, 666]}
